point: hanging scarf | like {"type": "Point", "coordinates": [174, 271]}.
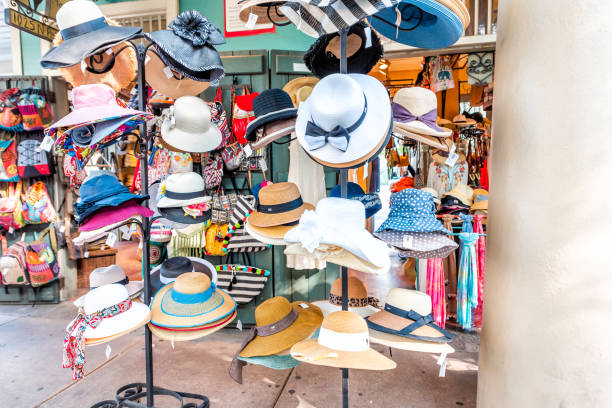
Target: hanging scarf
{"type": "Point", "coordinates": [467, 222]}
{"type": "Point", "coordinates": [481, 258]}
{"type": "Point", "coordinates": [450, 271]}
{"type": "Point", "coordinates": [435, 289]}
{"type": "Point", "coordinates": [467, 290]}
{"type": "Point", "coordinates": [74, 341]}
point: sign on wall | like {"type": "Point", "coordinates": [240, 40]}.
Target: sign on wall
{"type": "Point", "coordinates": [36, 17]}
{"type": "Point", "coordinates": [234, 27]}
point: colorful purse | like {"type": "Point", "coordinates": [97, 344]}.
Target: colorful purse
{"type": "Point", "coordinates": [237, 238]}
{"type": "Point", "coordinates": [219, 118]}
{"type": "Point", "coordinates": [441, 74]}
{"type": "Point", "coordinates": [13, 264]}
{"type": "Point", "coordinates": [242, 113]}
{"type": "Point", "coordinates": [11, 215]}
{"type": "Point", "coordinates": [8, 158]}
{"type": "Point", "coordinates": [212, 171]}
{"type": "Point", "coordinates": [32, 161]}
{"type": "Point", "coordinates": [215, 235]}
{"type": "Point", "coordinates": [221, 207]}
{"type": "Point", "coordinates": [37, 205]}
{"type": "Point", "coordinates": [41, 265]}
{"type": "Point", "coordinates": [34, 110]}
{"type": "Point", "coordinates": [189, 241]}
{"type": "Point", "coordinates": [243, 283]}
{"type": "Point", "coordinates": [232, 156]}
{"type": "Point", "coordinates": [10, 118]}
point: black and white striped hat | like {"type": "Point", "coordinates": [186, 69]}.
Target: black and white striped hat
{"type": "Point", "coordinates": [318, 17]}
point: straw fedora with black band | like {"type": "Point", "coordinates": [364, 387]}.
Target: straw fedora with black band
{"type": "Point", "coordinates": [269, 106]}
{"type": "Point", "coordinates": [299, 89]}
{"type": "Point", "coordinates": [266, 11]}
{"type": "Point", "coordinates": [343, 342]}
{"type": "Point", "coordinates": [346, 121]}
{"type": "Point", "coordinates": [358, 300]}
{"type": "Point", "coordinates": [187, 126]}
{"type": "Point", "coordinates": [416, 110]}
{"type": "Point", "coordinates": [174, 267]}
{"type": "Point", "coordinates": [111, 274]}
{"type": "Point", "coordinates": [363, 50]}
{"type": "Point", "coordinates": [84, 30]}
{"type": "Point", "coordinates": [279, 325]}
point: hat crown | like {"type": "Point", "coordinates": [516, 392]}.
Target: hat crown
{"type": "Point", "coordinates": [278, 193]}
{"type": "Point", "coordinates": [342, 212]}
{"type": "Point", "coordinates": [105, 275]}
{"type": "Point", "coordinates": [356, 288]}
{"type": "Point", "coordinates": [337, 100]}
{"type": "Point", "coordinates": [192, 114]}
{"type": "Point", "coordinates": [104, 183]}
{"type": "Point", "coordinates": [352, 190]}
{"type": "Point", "coordinates": [186, 182]}
{"type": "Point", "coordinates": [103, 297]}
{"type": "Point", "coordinates": [77, 12]}
{"type": "Point", "coordinates": [417, 100]}
{"type": "Point", "coordinates": [344, 321]}
{"type": "Point", "coordinates": [175, 266]}
{"type": "Point", "coordinates": [412, 203]}
{"type": "Point", "coordinates": [271, 100]}
{"type": "Point", "coordinates": [407, 299]}
{"type": "Point", "coordinates": [94, 95]}
{"type": "Point", "coordinates": [191, 283]}
{"type": "Point", "coordinates": [272, 310]}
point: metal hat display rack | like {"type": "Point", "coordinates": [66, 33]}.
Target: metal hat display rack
{"type": "Point", "coordinates": [130, 395]}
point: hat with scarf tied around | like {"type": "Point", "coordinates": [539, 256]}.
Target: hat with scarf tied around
{"type": "Point", "coordinates": [107, 275]}
{"type": "Point", "coordinates": [346, 120]}
{"type": "Point", "coordinates": [107, 311]}
{"type": "Point", "coordinates": [279, 325]}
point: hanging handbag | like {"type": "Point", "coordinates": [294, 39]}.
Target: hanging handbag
{"type": "Point", "coordinates": [222, 205]}
{"type": "Point", "coordinates": [212, 170]}
{"type": "Point", "coordinates": [35, 112]}
{"type": "Point", "coordinates": [41, 264]}
{"type": "Point", "coordinates": [13, 264]}
{"type": "Point", "coordinates": [242, 113]}
{"type": "Point", "coordinates": [180, 162]}
{"type": "Point", "coordinates": [215, 234]}
{"type": "Point", "coordinates": [37, 205]}
{"type": "Point", "coordinates": [219, 118]}
{"type": "Point", "coordinates": [243, 283]}
{"type": "Point", "coordinates": [11, 214]}
{"type": "Point", "coordinates": [237, 238]}
{"type": "Point", "coordinates": [232, 156]}
{"type": "Point", "coordinates": [32, 161]}
{"type": "Point", "coordinates": [189, 241]}
{"type": "Point", "coordinates": [10, 118]}
{"type": "Point", "coordinates": [255, 160]}
{"type": "Point", "coordinates": [71, 170]}
{"type": "Point", "coordinates": [8, 158]}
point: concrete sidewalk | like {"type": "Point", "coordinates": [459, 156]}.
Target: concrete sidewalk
{"type": "Point", "coordinates": [30, 371]}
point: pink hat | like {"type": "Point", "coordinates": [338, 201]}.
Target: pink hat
{"type": "Point", "coordinates": [111, 215]}
{"type": "Point", "coordinates": [93, 103]}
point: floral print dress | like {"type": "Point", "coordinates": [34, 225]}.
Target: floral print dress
{"type": "Point", "coordinates": [443, 178]}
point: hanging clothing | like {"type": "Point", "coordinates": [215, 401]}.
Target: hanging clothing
{"type": "Point", "coordinates": [435, 290]}
{"type": "Point", "coordinates": [467, 289]}
{"type": "Point", "coordinates": [481, 260]}
{"type": "Point", "coordinates": [443, 178]}
{"type": "Point", "coordinates": [301, 262]}
{"type": "Point", "coordinates": [307, 174]}
{"type": "Point", "coordinates": [450, 270]}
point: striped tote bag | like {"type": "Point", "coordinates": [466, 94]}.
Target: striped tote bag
{"type": "Point", "coordinates": [237, 239]}
{"type": "Point", "coordinates": [243, 283]}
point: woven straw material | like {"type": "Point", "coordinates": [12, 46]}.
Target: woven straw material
{"type": "Point", "coordinates": [300, 88]}
{"type": "Point", "coordinates": [275, 194]}
{"type": "Point", "coordinates": [194, 332]}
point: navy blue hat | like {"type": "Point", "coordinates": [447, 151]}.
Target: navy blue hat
{"type": "Point", "coordinates": [99, 191]}
{"type": "Point", "coordinates": [269, 106]}
{"type": "Point", "coordinates": [371, 202]}
{"type": "Point", "coordinates": [412, 210]}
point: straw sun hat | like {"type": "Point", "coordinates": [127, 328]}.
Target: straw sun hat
{"type": "Point", "coordinates": [299, 89]}
{"type": "Point", "coordinates": [191, 333]}
{"type": "Point", "coordinates": [343, 342]}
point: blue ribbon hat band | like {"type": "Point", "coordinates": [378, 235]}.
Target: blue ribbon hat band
{"type": "Point", "coordinates": [83, 28]}
{"type": "Point", "coordinates": [192, 298]}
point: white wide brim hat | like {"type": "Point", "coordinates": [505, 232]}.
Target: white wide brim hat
{"type": "Point", "coordinates": [166, 202]}
{"type": "Point", "coordinates": [191, 142]}
{"type": "Point", "coordinates": [328, 308]}
{"type": "Point", "coordinates": [365, 141]}
{"type": "Point", "coordinates": [133, 287]}
{"type": "Point", "coordinates": [137, 316]}
{"type": "Point", "coordinates": [421, 128]}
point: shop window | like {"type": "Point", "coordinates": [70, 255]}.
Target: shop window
{"type": "Point", "coordinates": [6, 46]}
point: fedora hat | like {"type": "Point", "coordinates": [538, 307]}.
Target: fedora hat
{"type": "Point", "coordinates": [462, 192]}
{"type": "Point", "coordinates": [422, 23]}
{"type": "Point", "coordinates": [188, 47]}
{"type": "Point", "coordinates": [363, 50]}
{"type": "Point", "coordinates": [279, 204]}
{"type": "Point", "coordinates": [269, 106]}
{"type": "Point", "coordinates": [174, 267]}
{"type": "Point", "coordinates": [358, 300]}
{"type": "Point", "coordinates": [462, 121]}
{"type": "Point", "coordinates": [299, 89]}
{"type": "Point", "coordinates": [279, 325]}
{"type": "Point", "coordinates": [338, 256]}
{"type": "Point", "coordinates": [187, 126]}
{"type": "Point", "coordinates": [371, 201]}
{"type": "Point", "coordinates": [345, 121]}
{"type": "Point", "coordinates": [421, 245]}
{"type": "Point", "coordinates": [107, 275]}
{"type": "Point", "coordinates": [183, 189]}
{"type": "Point", "coordinates": [273, 131]}
{"type": "Point", "coordinates": [266, 11]}
{"type": "Point", "coordinates": [481, 203]}
{"type": "Point", "coordinates": [107, 311]}
{"type": "Point", "coordinates": [343, 342]}
{"type": "Point", "coordinates": [84, 30]}
{"type": "Point", "coordinates": [339, 222]}
{"type": "Point", "coordinates": [168, 81]}
{"type": "Point", "coordinates": [412, 210]}
{"type": "Point", "coordinates": [191, 300]}
{"type": "Point", "coordinates": [191, 333]}
{"type": "Point", "coordinates": [176, 217]}
{"type": "Point", "coordinates": [407, 313]}
{"type": "Point", "coordinates": [415, 110]}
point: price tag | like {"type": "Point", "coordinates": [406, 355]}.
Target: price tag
{"type": "Point", "coordinates": [168, 72]}
{"type": "Point", "coordinates": [62, 229]}
{"type": "Point", "coordinates": [239, 325]}
{"type": "Point", "coordinates": [86, 254]}
{"type": "Point", "coordinates": [250, 24]}
{"type": "Point", "coordinates": [442, 372]}
{"type": "Point", "coordinates": [368, 33]}
{"type": "Point", "coordinates": [304, 306]}
{"type": "Point", "coordinates": [109, 51]}
{"type": "Point", "coordinates": [108, 351]}
{"type": "Point", "coordinates": [46, 144]}
{"type": "Point", "coordinates": [407, 241]}
{"type": "Point", "coordinates": [11, 230]}
{"type": "Point", "coordinates": [111, 240]}
{"type": "Point", "coordinates": [248, 151]}
{"type": "Point", "coordinates": [172, 342]}
{"type": "Point", "coordinates": [133, 229]}
{"type": "Point", "coordinates": [452, 159]}
{"type": "Point", "coordinates": [83, 66]}
{"type": "Point", "coordinates": [441, 358]}
{"type": "Point", "coordinates": [263, 164]}
{"type": "Point", "coordinates": [147, 59]}
{"type": "Point", "coordinates": [102, 247]}
{"type": "Point", "coordinates": [140, 245]}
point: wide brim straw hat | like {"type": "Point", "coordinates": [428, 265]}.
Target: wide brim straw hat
{"type": "Point", "coordinates": [300, 88]}
{"type": "Point", "coordinates": [461, 121]}
{"type": "Point", "coordinates": [308, 321]}
{"type": "Point", "coordinates": [358, 300]}
{"type": "Point", "coordinates": [192, 333]}
{"type": "Point", "coordinates": [404, 343]}
{"type": "Point", "coordinates": [277, 194]}
{"type": "Point", "coordinates": [342, 322]}
{"type": "Point", "coordinates": [421, 245]}
{"type": "Point", "coordinates": [268, 235]}
{"type": "Point", "coordinates": [265, 10]}
{"type": "Point", "coordinates": [167, 312]}
{"type": "Point", "coordinates": [482, 205]}
{"type": "Point", "coordinates": [340, 257]}
{"type": "Point", "coordinates": [168, 83]}
{"type": "Point", "coordinates": [199, 265]}
{"type": "Point", "coordinates": [274, 131]}
{"type": "Point", "coordinates": [415, 112]}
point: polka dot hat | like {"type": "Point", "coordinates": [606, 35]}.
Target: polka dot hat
{"type": "Point", "coordinates": [412, 210]}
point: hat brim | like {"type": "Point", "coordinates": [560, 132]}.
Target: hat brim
{"type": "Point", "coordinates": [122, 323]}
{"type": "Point", "coordinates": [170, 87]}
{"type": "Point", "coordinates": [421, 128]}
{"type": "Point", "coordinates": [275, 361]}
{"type": "Point", "coordinates": [191, 142]}
{"type": "Point", "coordinates": [85, 237]}
{"type": "Point", "coordinates": [434, 246]}
{"type": "Point", "coordinates": [393, 324]}
{"type": "Point", "coordinates": [166, 202]}
{"type": "Point", "coordinates": [133, 287]}
{"type": "Point", "coordinates": [404, 343]}
{"type": "Point", "coordinates": [194, 333]}
{"type": "Point", "coordinates": [366, 140]}
{"type": "Point", "coordinates": [74, 50]}
{"type": "Point", "coordinates": [430, 224]}
{"type": "Point", "coordinates": [259, 219]}
{"type": "Point", "coordinates": [274, 131]}
{"type": "Point", "coordinates": [177, 215]}
{"type": "Point", "coordinates": [439, 26]}
{"type": "Point", "coordinates": [102, 340]}
{"type": "Point", "coordinates": [162, 319]}
{"type": "Point", "coordinates": [199, 265]}
{"type": "Point", "coordinates": [278, 232]}
{"type": "Point", "coordinates": [294, 85]}
{"type": "Point", "coordinates": [308, 321]}
{"type": "Point", "coordinates": [260, 8]}
{"type": "Point", "coordinates": [328, 308]}
{"type": "Point", "coordinates": [91, 114]}
{"type": "Point", "coordinates": [308, 351]}
{"type": "Point", "coordinates": [270, 117]}
{"type": "Point", "coordinates": [111, 201]}
{"type": "Point", "coordinates": [344, 258]}
{"type": "Point", "coordinates": [480, 205]}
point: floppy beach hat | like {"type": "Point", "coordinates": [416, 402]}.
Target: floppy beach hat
{"type": "Point", "coordinates": [316, 18]}
{"type": "Point", "coordinates": [338, 256]}
{"type": "Point", "coordinates": [363, 50]}
{"type": "Point", "coordinates": [168, 81]}
{"type": "Point", "coordinates": [107, 275]}
{"type": "Point", "coordinates": [299, 89]}
{"type": "Point", "coordinates": [339, 222]}
{"type": "Point", "coordinates": [273, 131]}
{"type": "Point", "coordinates": [187, 126]}
{"type": "Point", "coordinates": [279, 206]}
{"type": "Point", "coordinates": [345, 121]}
{"type": "Point", "coordinates": [422, 23]}
{"type": "Point", "coordinates": [412, 210]}
{"type": "Point", "coordinates": [191, 300]}
{"type": "Point", "coordinates": [415, 110]}
{"type": "Point", "coordinates": [358, 300]}
{"type": "Point", "coordinates": [112, 215]}
{"type": "Point", "coordinates": [421, 245]}
{"type": "Point", "coordinates": [188, 47]}
{"type": "Point", "coordinates": [183, 189]}
{"type": "Point", "coordinates": [174, 267]}
{"type": "Point", "coordinates": [279, 325]}
{"type": "Point", "coordinates": [191, 333]}
{"type": "Point", "coordinates": [407, 313]}
{"type": "Point", "coordinates": [255, 233]}
{"type": "Point", "coordinates": [463, 192]}
{"type": "Point", "coordinates": [266, 11]}
{"type": "Point", "coordinates": [343, 342]}
{"type": "Point", "coordinates": [371, 201]}
{"type": "Point", "coordinates": [84, 30]}
{"type": "Point", "coordinates": [269, 106]}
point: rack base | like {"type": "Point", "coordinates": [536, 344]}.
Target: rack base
{"type": "Point", "coordinates": [129, 396]}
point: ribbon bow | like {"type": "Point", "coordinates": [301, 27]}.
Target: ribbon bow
{"type": "Point", "coordinates": [316, 137]}
{"type": "Point", "coordinates": [82, 135]}
{"type": "Point", "coordinates": [403, 115]}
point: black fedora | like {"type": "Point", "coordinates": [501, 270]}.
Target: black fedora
{"type": "Point", "coordinates": [363, 52]}
{"type": "Point", "coordinates": [174, 267]}
{"type": "Point", "coordinates": [270, 106]}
